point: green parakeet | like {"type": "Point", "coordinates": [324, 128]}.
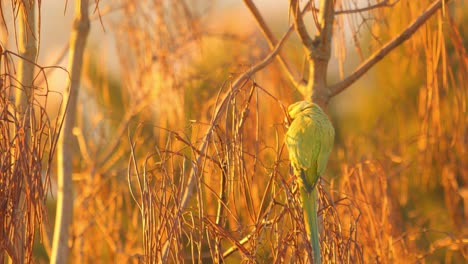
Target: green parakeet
{"type": "Point", "coordinates": [310, 141]}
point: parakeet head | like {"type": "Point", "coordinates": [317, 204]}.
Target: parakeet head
{"type": "Point", "coordinates": [298, 107]}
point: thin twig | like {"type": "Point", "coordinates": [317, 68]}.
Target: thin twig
{"type": "Point", "coordinates": [187, 194]}
{"type": "Point", "coordinates": [384, 3]}
{"type": "Point", "coordinates": [299, 25]}
{"type": "Point", "coordinates": [380, 54]}
{"type": "Point", "coordinates": [220, 211]}
{"type": "Point", "coordinates": [292, 73]}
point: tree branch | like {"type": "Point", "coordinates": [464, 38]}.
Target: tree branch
{"type": "Point", "coordinates": [292, 73]}
{"type": "Point", "coordinates": [24, 100]}
{"type": "Point", "coordinates": [299, 25]}
{"type": "Point", "coordinates": [384, 3]}
{"type": "Point", "coordinates": [63, 217]}
{"type": "Point", "coordinates": [379, 55]}
{"type": "Point", "coordinates": [326, 18]}
{"type": "Point", "coordinates": [318, 49]}
{"type": "Point", "coordinates": [196, 168]}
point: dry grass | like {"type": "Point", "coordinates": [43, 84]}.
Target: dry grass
{"type": "Point", "coordinates": [395, 190]}
{"type": "Point", "coordinates": [27, 145]}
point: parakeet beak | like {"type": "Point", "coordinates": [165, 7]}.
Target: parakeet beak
{"type": "Point", "coordinates": [287, 121]}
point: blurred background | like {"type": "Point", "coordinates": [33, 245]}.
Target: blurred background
{"type": "Point", "coordinates": [154, 73]}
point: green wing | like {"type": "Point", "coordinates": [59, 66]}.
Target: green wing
{"type": "Point", "coordinates": [326, 144]}
{"type": "Point", "coordinates": [303, 148]}
{"type": "Point", "coordinates": [310, 141]}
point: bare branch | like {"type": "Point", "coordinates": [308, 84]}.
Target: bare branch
{"type": "Point", "coordinates": [380, 54]}
{"type": "Point", "coordinates": [238, 84]}
{"type": "Point", "coordinates": [299, 25]}
{"type": "Point", "coordinates": [292, 73]}
{"type": "Point", "coordinates": [326, 17]}
{"type": "Point", "coordinates": [320, 49]}
{"type": "Point", "coordinates": [385, 3]}
{"type": "Point", "coordinates": [63, 217]}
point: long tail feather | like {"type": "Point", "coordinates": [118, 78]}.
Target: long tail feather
{"type": "Point", "coordinates": [309, 200]}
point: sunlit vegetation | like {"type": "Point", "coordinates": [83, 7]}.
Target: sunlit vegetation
{"type": "Point", "coordinates": [178, 144]}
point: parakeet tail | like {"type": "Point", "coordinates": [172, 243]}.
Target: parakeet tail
{"type": "Point", "coordinates": [309, 200]}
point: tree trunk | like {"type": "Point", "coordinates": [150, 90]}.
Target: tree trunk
{"type": "Point", "coordinates": [65, 156]}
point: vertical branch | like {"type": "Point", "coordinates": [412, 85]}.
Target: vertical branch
{"type": "Point", "coordinates": [220, 211]}
{"type": "Point", "coordinates": [320, 54]}
{"type": "Point", "coordinates": [317, 48]}
{"type": "Point", "coordinates": [28, 50]}
{"type": "Point", "coordinates": [23, 99]}
{"type": "Point", "coordinates": [326, 19]}
{"type": "Point", "coordinates": [299, 26]}
{"type": "Point", "coordinates": [65, 185]}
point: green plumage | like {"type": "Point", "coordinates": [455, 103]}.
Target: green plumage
{"type": "Point", "coordinates": [310, 141]}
